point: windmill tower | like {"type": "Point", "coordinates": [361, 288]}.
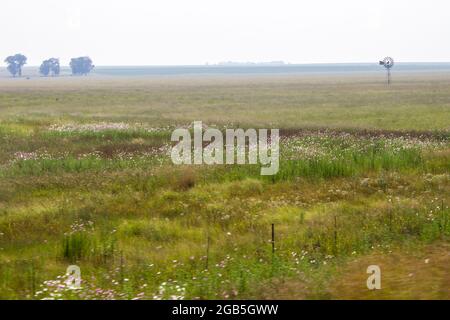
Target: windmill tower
{"type": "Point", "coordinates": [388, 63]}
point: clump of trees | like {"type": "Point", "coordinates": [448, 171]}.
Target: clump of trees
{"type": "Point", "coordinates": [81, 65]}
{"type": "Point", "coordinates": [50, 67]}
{"type": "Point", "coordinates": [15, 64]}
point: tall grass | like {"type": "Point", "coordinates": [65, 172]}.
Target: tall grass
{"type": "Point", "coordinates": [162, 231]}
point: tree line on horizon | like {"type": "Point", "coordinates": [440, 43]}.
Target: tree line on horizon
{"type": "Point", "coordinates": [49, 67]}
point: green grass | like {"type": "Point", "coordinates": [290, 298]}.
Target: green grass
{"type": "Point", "coordinates": [362, 102]}
{"type": "Point", "coordinates": [364, 174]}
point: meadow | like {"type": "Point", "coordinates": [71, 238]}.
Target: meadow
{"type": "Point", "coordinates": [86, 179]}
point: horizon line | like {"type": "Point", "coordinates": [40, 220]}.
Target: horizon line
{"type": "Point", "coordinates": [244, 64]}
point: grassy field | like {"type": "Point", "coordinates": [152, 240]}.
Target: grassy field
{"type": "Point", "coordinates": [86, 179]}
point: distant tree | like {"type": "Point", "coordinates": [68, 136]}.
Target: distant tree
{"type": "Point", "coordinates": [50, 66]}
{"type": "Point", "coordinates": [44, 69]}
{"type": "Point", "coordinates": [15, 64]}
{"type": "Point", "coordinates": [81, 65]}
{"type": "Point", "coordinates": [55, 67]}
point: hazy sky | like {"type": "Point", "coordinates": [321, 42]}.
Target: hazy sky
{"type": "Point", "coordinates": [165, 32]}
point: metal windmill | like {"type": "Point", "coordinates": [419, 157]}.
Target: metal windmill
{"type": "Point", "coordinates": [388, 63]}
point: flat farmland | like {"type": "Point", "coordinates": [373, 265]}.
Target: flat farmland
{"type": "Point", "coordinates": [86, 179]}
